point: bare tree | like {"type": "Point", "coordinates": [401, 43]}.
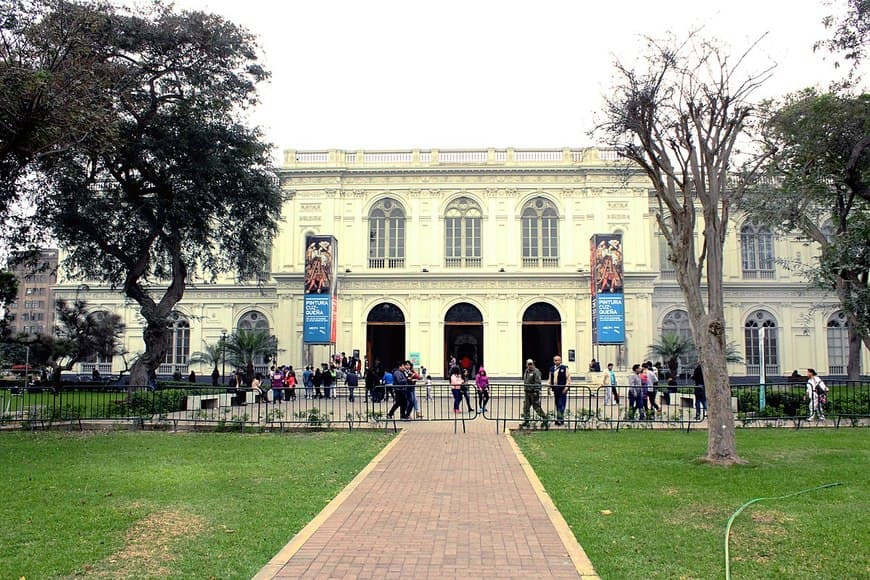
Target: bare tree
{"type": "Point", "coordinates": [680, 119]}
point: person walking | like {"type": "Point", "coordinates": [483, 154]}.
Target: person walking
{"type": "Point", "coordinates": [351, 380]}
{"type": "Point", "coordinates": [816, 394]}
{"type": "Point", "coordinates": [400, 384]}
{"type": "Point", "coordinates": [532, 388]}
{"type": "Point", "coordinates": [316, 381]}
{"type": "Point", "coordinates": [611, 395]}
{"type": "Point", "coordinates": [560, 382]}
{"type": "Point", "coordinates": [482, 382]}
{"type": "Point", "coordinates": [635, 392]}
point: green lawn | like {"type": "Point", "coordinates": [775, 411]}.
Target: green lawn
{"type": "Point", "coordinates": [668, 511]}
{"type": "Point", "coordinates": [194, 505]}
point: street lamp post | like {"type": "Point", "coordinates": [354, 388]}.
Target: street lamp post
{"type": "Point", "coordinates": [224, 355]}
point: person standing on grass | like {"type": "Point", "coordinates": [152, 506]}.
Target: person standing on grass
{"type": "Point", "coordinates": [560, 382]}
{"type": "Point", "coordinates": [482, 382]}
{"type": "Point", "coordinates": [532, 388]}
{"type": "Point", "coordinates": [816, 394]}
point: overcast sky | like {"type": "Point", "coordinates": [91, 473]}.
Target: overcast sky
{"type": "Point", "coordinates": [480, 73]}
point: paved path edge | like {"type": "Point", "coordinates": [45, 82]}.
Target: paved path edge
{"type": "Point", "coordinates": [575, 550]}
{"type": "Point", "coordinates": [269, 571]}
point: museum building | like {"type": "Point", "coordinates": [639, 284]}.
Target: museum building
{"type": "Point", "coordinates": [484, 255]}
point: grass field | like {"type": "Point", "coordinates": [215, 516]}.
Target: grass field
{"type": "Point", "coordinates": [642, 505]}
{"type": "Point", "coordinates": [163, 505]}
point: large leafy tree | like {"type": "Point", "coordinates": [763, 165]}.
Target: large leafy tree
{"type": "Point", "coordinates": [849, 36]}
{"type": "Point", "coordinates": [679, 117]}
{"type": "Point", "coordinates": [53, 76]}
{"type": "Point", "coordinates": [180, 184]}
{"type": "Point", "coordinates": [818, 185]}
{"type": "Point", "coordinates": [8, 294]}
{"type": "Point", "coordinates": [79, 335]}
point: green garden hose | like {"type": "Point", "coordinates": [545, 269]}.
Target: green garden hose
{"type": "Point", "coordinates": [756, 500]}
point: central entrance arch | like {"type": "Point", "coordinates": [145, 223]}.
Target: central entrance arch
{"type": "Point", "coordinates": [385, 336]}
{"type": "Point", "coordinates": [463, 337]}
{"type": "Point", "coordinates": [542, 335]}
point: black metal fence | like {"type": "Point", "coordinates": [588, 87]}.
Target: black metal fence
{"type": "Point", "coordinates": [583, 407]}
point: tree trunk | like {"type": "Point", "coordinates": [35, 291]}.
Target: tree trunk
{"type": "Point", "coordinates": [844, 290]}
{"type": "Point", "coordinates": [708, 330]}
{"type": "Point", "coordinates": [855, 344]}
{"type": "Point", "coordinates": [155, 337]}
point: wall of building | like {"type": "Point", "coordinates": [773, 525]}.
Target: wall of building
{"type": "Point", "coordinates": [333, 193]}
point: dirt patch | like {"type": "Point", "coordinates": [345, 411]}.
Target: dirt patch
{"type": "Point", "coordinates": [149, 546]}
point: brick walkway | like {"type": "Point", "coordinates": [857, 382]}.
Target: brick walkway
{"type": "Point", "coordinates": [438, 505]}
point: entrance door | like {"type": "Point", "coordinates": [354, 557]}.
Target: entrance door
{"type": "Point", "coordinates": [385, 336]}
{"type": "Point", "coordinates": [542, 336]}
{"type": "Point", "coordinates": [463, 338]}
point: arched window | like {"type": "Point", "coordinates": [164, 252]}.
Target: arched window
{"type": "Point", "coordinates": [178, 345]}
{"type": "Point", "coordinates": [677, 322]}
{"type": "Point", "coordinates": [253, 320]}
{"type": "Point", "coordinates": [757, 320]}
{"type": "Point", "coordinates": [462, 223]}
{"type": "Point", "coordinates": [387, 235]}
{"type": "Point", "coordinates": [540, 222]}
{"type": "Point", "coordinates": [838, 343]}
{"type": "Point", "coordinates": [756, 250]}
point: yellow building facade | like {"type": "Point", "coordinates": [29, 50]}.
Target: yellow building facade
{"type": "Point", "coordinates": [484, 256]}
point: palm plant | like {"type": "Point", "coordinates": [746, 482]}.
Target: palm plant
{"type": "Point", "coordinates": [670, 348]}
{"type": "Point", "coordinates": [673, 348]}
{"type": "Point", "coordinates": [245, 346]}
{"type": "Point", "coordinates": [210, 355]}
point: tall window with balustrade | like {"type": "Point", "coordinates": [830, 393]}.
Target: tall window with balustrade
{"type": "Point", "coordinates": [757, 253]}
{"type": "Point", "coordinates": [387, 235]}
{"type": "Point", "coordinates": [838, 343]}
{"type": "Point", "coordinates": [540, 223]}
{"type": "Point", "coordinates": [757, 320]}
{"type": "Point", "coordinates": [255, 321]}
{"type": "Point", "coordinates": [462, 226]}
{"type": "Point", "coordinates": [178, 345]}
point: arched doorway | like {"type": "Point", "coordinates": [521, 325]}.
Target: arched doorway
{"type": "Point", "coordinates": [542, 335]}
{"type": "Point", "coordinates": [385, 336]}
{"type": "Point", "coordinates": [463, 337]}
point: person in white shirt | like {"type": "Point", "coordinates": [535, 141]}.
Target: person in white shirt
{"type": "Point", "coordinates": [816, 394]}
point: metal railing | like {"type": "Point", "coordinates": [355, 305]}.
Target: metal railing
{"type": "Point", "coordinates": [584, 406]}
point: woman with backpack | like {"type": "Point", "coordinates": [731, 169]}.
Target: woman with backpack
{"type": "Point", "coordinates": [816, 394]}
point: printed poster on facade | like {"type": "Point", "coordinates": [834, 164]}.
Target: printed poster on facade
{"type": "Point", "coordinates": [319, 296]}
{"type": "Point", "coordinates": [608, 300]}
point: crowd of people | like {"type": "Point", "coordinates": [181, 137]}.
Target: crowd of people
{"type": "Point", "coordinates": [649, 389]}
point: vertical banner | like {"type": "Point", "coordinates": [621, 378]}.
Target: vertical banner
{"type": "Point", "coordinates": [608, 301]}
{"type": "Point", "coordinates": [319, 319]}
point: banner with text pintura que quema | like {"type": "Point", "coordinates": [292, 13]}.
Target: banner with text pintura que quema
{"type": "Point", "coordinates": [608, 300]}
{"type": "Point", "coordinates": [319, 296]}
